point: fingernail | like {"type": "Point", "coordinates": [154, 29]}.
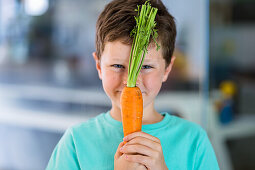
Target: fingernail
{"type": "Point", "coordinates": [125, 138]}
{"type": "Point", "coordinates": [121, 148]}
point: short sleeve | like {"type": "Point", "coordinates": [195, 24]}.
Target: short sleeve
{"type": "Point", "coordinates": [64, 155]}
{"type": "Point", "coordinates": [205, 156]}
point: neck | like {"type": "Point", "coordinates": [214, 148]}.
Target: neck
{"type": "Point", "coordinates": [150, 115]}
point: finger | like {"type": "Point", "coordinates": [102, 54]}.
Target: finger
{"type": "Point", "coordinates": [144, 160]}
{"type": "Point", "coordinates": [146, 142]}
{"type": "Point", "coordinates": [141, 134]}
{"type": "Point", "coordinates": [138, 149]}
{"type": "Point", "coordinates": [118, 153]}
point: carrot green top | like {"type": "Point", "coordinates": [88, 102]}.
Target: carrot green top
{"type": "Point", "coordinates": [145, 27]}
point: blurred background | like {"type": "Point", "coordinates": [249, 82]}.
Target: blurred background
{"type": "Point", "coordinates": [48, 80]}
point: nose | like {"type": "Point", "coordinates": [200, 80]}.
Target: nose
{"type": "Point", "coordinates": [125, 78]}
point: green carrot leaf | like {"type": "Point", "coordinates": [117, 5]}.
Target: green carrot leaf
{"type": "Point", "coordinates": [144, 29]}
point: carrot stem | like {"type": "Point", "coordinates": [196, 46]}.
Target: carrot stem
{"type": "Point", "coordinates": [142, 32]}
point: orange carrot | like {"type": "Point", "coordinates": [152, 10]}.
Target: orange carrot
{"type": "Point", "coordinates": [131, 97]}
{"type": "Point", "coordinates": [132, 109]}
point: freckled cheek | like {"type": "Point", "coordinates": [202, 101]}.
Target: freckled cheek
{"type": "Point", "coordinates": [154, 87]}
{"type": "Point", "coordinates": [153, 83]}
{"type": "Point", "coordinates": [110, 81]}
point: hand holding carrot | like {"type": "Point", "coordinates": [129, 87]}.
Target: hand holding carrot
{"type": "Point", "coordinates": [120, 163]}
{"type": "Point", "coordinates": [144, 149]}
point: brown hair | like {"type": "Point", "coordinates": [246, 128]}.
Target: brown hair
{"type": "Point", "coordinates": [117, 21]}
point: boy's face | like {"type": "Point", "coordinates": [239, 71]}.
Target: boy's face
{"type": "Point", "coordinates": [113, 71]}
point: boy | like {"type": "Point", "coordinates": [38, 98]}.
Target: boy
{"type": "Point", "coordinates": [165, 141]}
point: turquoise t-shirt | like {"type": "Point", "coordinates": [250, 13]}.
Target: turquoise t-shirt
{"type": "Point", "coordinates": [92, 145]}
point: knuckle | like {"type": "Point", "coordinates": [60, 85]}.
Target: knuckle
{"type": "Point", "coordinates": [158, 140]}
{"type": "Point", "coordinates": [123, 149]}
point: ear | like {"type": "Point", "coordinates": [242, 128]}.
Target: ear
{"type": "Point", "coordinates": [168, 69]}
{"type": "Point", "coordinates": [98, 66]}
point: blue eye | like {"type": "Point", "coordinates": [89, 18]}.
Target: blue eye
{"type": "Point", "coordinates": [146, 67]}
{"type": "Point", "coordinates": [117, 66]}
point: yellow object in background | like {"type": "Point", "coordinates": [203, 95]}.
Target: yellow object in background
{"type": "Point", "coordinates": [228, 88]}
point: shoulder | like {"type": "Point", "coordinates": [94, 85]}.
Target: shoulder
{"type": "Point", "coordinates": [86, 129]}
{"type": "Point", "coordinates": [195, 134]}
{"type": "Point", "coordinates": [186, 127]}
{"type": "Point", "coordinates": [185, 124]}
{"type": "Point", "coordinates": [204, 156]}
{"type": "Point", "coordinates": [85, 132]}
{"type": "Point", "coordinates": [92, 123]}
